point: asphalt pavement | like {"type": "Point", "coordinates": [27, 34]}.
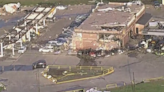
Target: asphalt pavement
{"type": "Point", "coordinates": [18, 76]}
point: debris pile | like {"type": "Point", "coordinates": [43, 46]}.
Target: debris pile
{"type": "Point", "coordinates": [12, 7]}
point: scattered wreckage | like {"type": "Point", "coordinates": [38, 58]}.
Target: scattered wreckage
{"type": "Point", "coordinates": [95, 53]}
{"type": "Point", "coordinates": [10, 8]}
{"type": "Point", "coordinates": [63, 41]}
{"type": "Point", "coordinates": [149, 44]}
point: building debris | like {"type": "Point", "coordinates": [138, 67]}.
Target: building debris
{"type": "Point", "coordinates": [29, 27]}
{"type": "Point", "coordinates": [12, 7]}
{"type": "Point", "coordinates": [99, 31]}
{"type": "Point", "coordinates": [2, 12]}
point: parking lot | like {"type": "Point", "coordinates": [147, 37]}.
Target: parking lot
{"type": "Point", "coordinates": [144, 66]}
{"type": "Point", "coordinates": [27, 80]}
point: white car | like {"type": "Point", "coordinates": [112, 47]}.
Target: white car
{"type": "Point", "coordinates": [22, 50]}
{"type": "Point", "coordinates": [55, 42]}
{"type": "Point", "coordinates": [45, 49]}
{"type": "Point", "coordinates": [61, 7]}
{"type": "Point", "coordinates": [49, 45]}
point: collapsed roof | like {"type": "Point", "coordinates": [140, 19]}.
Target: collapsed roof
{"type": "Point", "coordinates": [112, 15]}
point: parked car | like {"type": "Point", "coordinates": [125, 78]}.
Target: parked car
{"type": "Point", "coordinates": [67, 32]}
{"type": "Point", "coordinates": [75, 24]}
{"type": "Point", "coordinates": [49, 45]}
{"type": "Point", "coordinates": [22, 49]}
{"type": "Point", "coordinates": [61, 7]}
{"type": "Point", "coordinates": [156, 4]}
{"type": "Point", "coordinates": [93, 54]}
{"type": "Point", "coordinates": [53, 42]}
{"type": "Point", "coordinates": [65, 36]}
{"type": "Point", "coordinates": [58, 51]}
{"type": "Point", "coordinates": [39, 64]}
{"type": "Point", "coordinates": [57, 42]}
{"type": "Point", "coordinates": [46, 50]}
{"type": "Point", "coordinates": [61, 39]}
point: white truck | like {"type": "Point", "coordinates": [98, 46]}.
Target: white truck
{"type": "Point", "coordinates": [22, 49]}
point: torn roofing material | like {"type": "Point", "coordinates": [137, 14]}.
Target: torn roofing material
{"type": "Point", "coordinates": [144, 19]}
{"type": "Point", "coordinates": [102, 16]}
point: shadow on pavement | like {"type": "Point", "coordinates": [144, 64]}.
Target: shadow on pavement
{"type": "Point", "coordinates": [16, 68]}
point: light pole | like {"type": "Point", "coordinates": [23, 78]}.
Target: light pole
{"type": "Point", "coordinates": [133, 83]}
{"type": "Point", "coordinates": [38, 80]}
{"type": "Point", "coordinates": [13, 50]}
{"type": "Point", "coordinates": [1, 49]}
{"type": "Point", "coordinates": [129, 71]}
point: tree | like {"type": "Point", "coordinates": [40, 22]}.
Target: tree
{"type": "Point", "coordinates": [86, 60]}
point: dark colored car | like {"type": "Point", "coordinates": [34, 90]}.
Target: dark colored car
{"type": "Point", "coordinates": [75, 24]}
{"type": "Point", "coordinates": [65, 36]}
{"type": "Point", "coordinates": [39, 64]}
{"type": "Point", "coordinates": [156, 4]}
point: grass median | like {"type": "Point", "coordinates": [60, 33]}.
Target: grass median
{"type": "Point", "coordinates": [153, 86]}
{"type": "Point", "coordinates": [69, 74]}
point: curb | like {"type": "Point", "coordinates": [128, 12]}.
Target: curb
{"type": "Point", "coordinates": [49, 77]}
{"type": "Point", "coordinates": [115, 85]}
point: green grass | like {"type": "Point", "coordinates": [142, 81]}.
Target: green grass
{"type": "Point", "coordinates": [154, 86]}
{"type": "Point", "coordinates": [1, 88]}
{"type": "Point", "coordinates": [74, 73]}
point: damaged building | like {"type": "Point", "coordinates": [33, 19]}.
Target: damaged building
{"type": "Point", "coordinates": [109, 26]}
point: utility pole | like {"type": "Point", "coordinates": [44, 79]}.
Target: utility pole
{"type": "Point", "coordinates": [38, 80]}
{"type": "Point", "coordinates": [36, 26]}
{"type": "Point", "coordinates": [133, 83]}
{"type": "Point", "coordinates": [129, 71]}
{"type": "Point", "coordinates": [13, 50]}
{"type": "Point", "coordinates": [2, 49]}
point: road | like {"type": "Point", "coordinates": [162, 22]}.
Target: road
{"type": "Point", "coordinates": [144, 66]}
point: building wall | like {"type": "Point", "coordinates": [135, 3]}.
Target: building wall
{"type": "Point", "coordinates": [132, 26]}
{"type": "Point", "coordinates": [89, 40]}
{"type": "Point", "coordinates": [140, 28]}
{"type": "Point", "coordinates": [85, 41]}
